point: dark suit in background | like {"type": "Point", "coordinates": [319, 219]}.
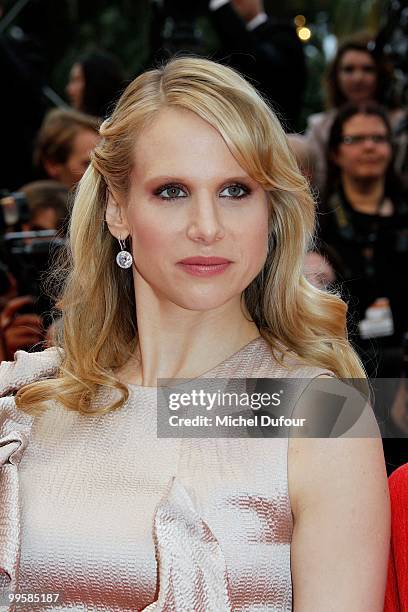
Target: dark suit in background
{"type": "Point", "coordinates": [270, 55]}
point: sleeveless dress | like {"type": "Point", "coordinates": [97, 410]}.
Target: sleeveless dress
{"type": "Point", "coordinates": [108, 517]}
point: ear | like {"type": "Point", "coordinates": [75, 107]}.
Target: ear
{"type": "Point", "coordinates": [115, 217]}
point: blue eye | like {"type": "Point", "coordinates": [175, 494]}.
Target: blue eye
{"type": "Point", "coordinates": [235, 191]}
{"type": "Point", "coordinates": [170, 192]}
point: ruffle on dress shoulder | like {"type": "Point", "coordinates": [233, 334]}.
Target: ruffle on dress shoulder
{"type": "Point", "coordinates": [15, 427]}
{"type": "Point", "coordinates": [192, 569]}
{"type": "Point", "coordinates": [27, 368]}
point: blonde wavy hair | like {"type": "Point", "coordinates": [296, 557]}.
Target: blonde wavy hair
{"type": "Point", "coordinates": [98, 305]}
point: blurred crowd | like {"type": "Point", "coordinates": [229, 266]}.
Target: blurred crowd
{"type": "Point", "coordinates": [354, 155]}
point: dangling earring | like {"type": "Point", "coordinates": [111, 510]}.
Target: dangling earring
{"type": "Point", "coordinates": [124, 259]}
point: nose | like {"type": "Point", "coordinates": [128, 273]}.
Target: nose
{"type": "Point", "coordinates": [205, 224]}
{"type": "Point", "coordinates": [358, 76]}
{"type": "Point", "coordinates": [368, 143]}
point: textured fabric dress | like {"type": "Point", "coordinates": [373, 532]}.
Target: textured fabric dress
{"type": "Point", "coordinates": [100, 511]}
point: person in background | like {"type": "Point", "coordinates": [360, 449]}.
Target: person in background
{"type": "Point", "coordinates": [396, 595]}
{"type": "Point", "coordinates": [367, 224]}
{"type": "Point", "coordinates": [20, 330]}
{"type": "Point", "coordinates": [21, 324]}
{"type": "Point", "coordinates": [305, 156]}
{"type": "Point", "coordinates": [64, 145]}
{"type": "Point", "coordinates": [401, 156]}
{"type": "Point", "coordinates": [48, 204]}
{"type": "Point", "coordinates": [22, 104]}
{"type": "Point", "coordinates": [266, 50]}
{"type": "Point", "coordinates": [269, 47]}
{"type": "Point", "coordinates": [356, 75]}
{"type": "Point", "coordinates": [95, 83]}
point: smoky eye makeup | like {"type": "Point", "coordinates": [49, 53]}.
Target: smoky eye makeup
{"type": "Point", "coordinates": [175, 191]}
{"type": "Point", "coordinates": [235, 191]}
{"type": "Point", "coordinates": [170, 191]}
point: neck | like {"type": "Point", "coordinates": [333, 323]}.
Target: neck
{"type": "Point", "coordinates": [364, 195]}
{"type": "Point", "coordinates": [178, 343]}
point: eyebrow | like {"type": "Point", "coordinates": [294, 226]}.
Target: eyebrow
{"type": "Point", "coordinates": [167, 178]}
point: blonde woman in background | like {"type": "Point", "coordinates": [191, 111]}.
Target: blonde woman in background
{"type": "Point", "coordinates": [194, 183]}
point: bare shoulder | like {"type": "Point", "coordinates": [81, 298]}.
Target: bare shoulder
{"type": "Point", "coordinates": [321, 469]}
{"type": "Point", "coordinates": [340, 446]}
{"type": "Point", "coordinates": [340, 504]}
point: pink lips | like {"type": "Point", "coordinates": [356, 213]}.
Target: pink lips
{"type": "Point", "coordinates": [204, 266]}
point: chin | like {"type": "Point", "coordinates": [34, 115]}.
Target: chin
{"type": "Point", "coordinates": [359, 97]}
{"type": "Point", "coordinates": [204, 301]}
{"type": "Point", "coordinates": [374, 174]}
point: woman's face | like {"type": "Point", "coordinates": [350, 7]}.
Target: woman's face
{"type": "Point", "coordinates": [76, 86]}
{"type": "Point", "coordinates": [366, 152]}
{"type": "Point", "coordinates": [199, 223]}
{"type": "Point", "coordinates": [357, 76]}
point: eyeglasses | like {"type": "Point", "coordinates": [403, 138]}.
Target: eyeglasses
{"type": "Point", "coordinates": [360, 138]}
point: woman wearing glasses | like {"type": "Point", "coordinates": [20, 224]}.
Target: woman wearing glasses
{"type": "Point", "coordinates": [356, 75]}
{"type": "Point", "coordinates": [366, 222]}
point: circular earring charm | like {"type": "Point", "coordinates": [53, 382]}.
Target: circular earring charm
{"type": "Point", "coordinates": [124, 259]}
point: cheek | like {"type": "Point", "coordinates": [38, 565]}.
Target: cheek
{"type": "Point", "coordinates": [343, 82]}
{"type": "Point", "coordinates": [346, 160]}
{"type": "Point", "coordinates": [387, 155]}
{"type": "Point", "coordinates": [73, 163]}
{"type": "Point", "coordinates": [149, 238]}
{"type": "Point", "coordinates": [254, 240]}
{"type": "Point", "coordinates": [258, 241]}
{"type": "Point", "coordinates": [371, 82]}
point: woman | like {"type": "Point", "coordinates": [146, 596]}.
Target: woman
{"type": "Point", "coordinates": [194, 178]}
{"type": "Point", "coordinates": [367, 224]}
{"type": "Point", "coordinates": [95, 82]}
{"type": "Point", "coordinates": [356, 75]}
